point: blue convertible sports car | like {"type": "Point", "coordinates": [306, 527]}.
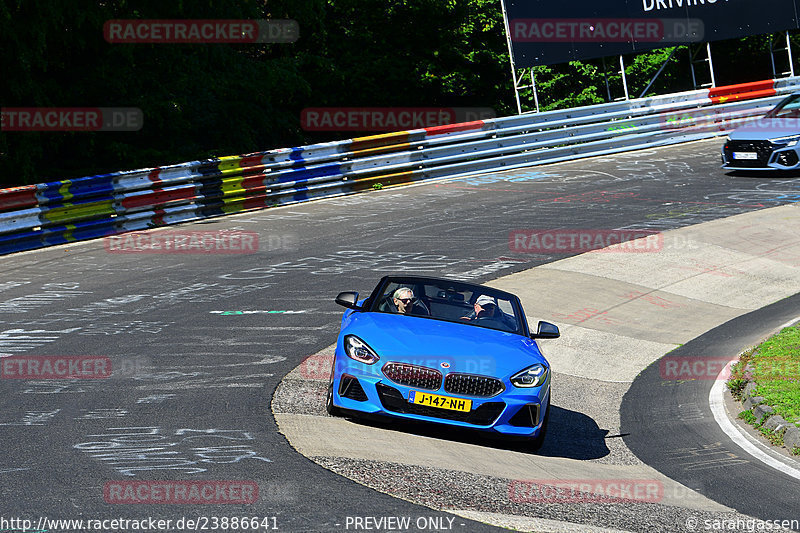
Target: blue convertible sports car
{"type": "Point", "coordinates": [442, 351]}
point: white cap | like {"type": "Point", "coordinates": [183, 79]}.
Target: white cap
{"type": "Point", "coordinates": [485, 299]}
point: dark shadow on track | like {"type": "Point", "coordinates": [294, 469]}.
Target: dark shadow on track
{"type": "Point", "coordinates": [761, 174]}
{"type": "Point", "coordinates": [573, 435]}
{"type": "Point", "coordinates": [570, 434]}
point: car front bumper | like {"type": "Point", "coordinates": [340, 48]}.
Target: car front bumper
{"type": "Point", "coordinates": [761, 155]}
{"type": "Point", "coordinates": [515, 412]}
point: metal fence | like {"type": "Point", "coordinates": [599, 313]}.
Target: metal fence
{"type": "Point", "coordinates": [65, 211]}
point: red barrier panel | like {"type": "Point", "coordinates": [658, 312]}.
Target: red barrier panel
{"type": "Point", "coordinates": [742, 91]}
{"type": "Point", "coordinates": [18, 197]}
{"type": "Point", "coordinates": [449, 128]}
{"type": "Point", "coordinates": [159, 197]}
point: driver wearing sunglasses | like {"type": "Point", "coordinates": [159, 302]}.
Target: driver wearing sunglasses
{"type": "Point", "coordinates": [403, 300]}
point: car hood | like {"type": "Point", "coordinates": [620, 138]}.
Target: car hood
{"type": "Point", "coordinates": [767, 128]}
{"type": "Point", "coordinates": [448, 346]}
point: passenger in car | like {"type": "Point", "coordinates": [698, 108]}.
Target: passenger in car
{"type": "Point", "coordinates": [486, 307]}
{"type": "Point", "coordinates": [404, 300]}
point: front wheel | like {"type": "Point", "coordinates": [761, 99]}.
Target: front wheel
{"type": "Point", "coordinates": [329, 407]}
{"type": "Point", "coordinates": [332, 409]}
{"type": "Point", "coordinates": [537, 442]}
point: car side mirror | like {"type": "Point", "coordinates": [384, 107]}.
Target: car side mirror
{"type": "Point", "coordinates": [348, 299]}
{"type": "Point", "coordinates": [546, 330]}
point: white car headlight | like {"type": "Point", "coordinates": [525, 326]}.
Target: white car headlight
{"type": "Point", "coordinates": [791, 140]}
{"type": "Point", "coordinates": [533, 376]}
{"type": "Point", "coordinates": [357, 349]}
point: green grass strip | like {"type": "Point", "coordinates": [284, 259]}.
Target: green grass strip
{"type": "Point", "coordinates": [774, 366]}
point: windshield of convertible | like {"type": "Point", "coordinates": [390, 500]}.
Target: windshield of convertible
{"type": "Point", "coordinates": [448, 300]}
{"type": "Point", "coordinates": [789, 108]}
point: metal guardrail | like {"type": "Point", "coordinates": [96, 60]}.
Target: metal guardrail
{"type": "Point", "coordinates": [65, 211]}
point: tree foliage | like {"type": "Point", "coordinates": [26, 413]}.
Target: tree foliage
{"type": "Point", "coordinates": [208, 100]}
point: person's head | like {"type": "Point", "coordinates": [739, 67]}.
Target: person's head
{"type": "Point", "coordinates": [485, 306]}
{"type": "Point", "coordinates": [403, 299]}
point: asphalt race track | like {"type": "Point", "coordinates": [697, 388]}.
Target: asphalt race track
{"type": "Point", "coordinates": [198, 343]}
{"type": "Point", "coordinates": [722, 476]}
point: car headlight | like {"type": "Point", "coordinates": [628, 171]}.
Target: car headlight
{"type": "Point", "coordinates": [789, 141]}
{"type": "Point", "coordinates": [357, 349]}
{"type": "Point", "coordinates": [533, 376]}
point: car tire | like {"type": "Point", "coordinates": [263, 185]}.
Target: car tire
{"type": "Point", "coordinates": [332, 409]}
{"type": "Point", "coordinates": [538, 441]}
{"type": "Point", "coordinates": [329, 407]}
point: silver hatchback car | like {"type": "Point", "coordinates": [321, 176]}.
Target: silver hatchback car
{"type": "Point", "coordinates": [771, 142]}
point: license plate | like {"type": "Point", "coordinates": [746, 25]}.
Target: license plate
{"type": "Point", "coordinates": [442, 402]}
{"type": "Point", "coordinates": [745, 155]}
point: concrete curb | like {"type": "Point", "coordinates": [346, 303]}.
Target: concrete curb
{"type": "Point", "coordinates": [773, 422]}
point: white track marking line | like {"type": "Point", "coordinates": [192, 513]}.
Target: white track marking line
{"type": "Point", "coordinates": [717, 403]}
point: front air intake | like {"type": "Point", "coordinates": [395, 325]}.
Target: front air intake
{"type": "Point", "coordinates": [419, 377]}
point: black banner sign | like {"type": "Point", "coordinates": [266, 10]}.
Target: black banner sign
{"type": "Point", "coordinates": [546, 32]}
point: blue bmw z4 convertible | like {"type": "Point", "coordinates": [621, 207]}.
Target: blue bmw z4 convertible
{"type": "Point", "coordinates": [442, 351]}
